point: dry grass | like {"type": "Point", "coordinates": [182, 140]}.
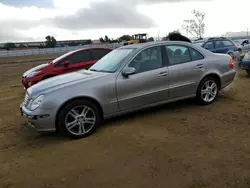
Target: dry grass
{"type": "Point", "coordinates": [177, 145]}
{"type": "Point", "coordinates": [29, 58]}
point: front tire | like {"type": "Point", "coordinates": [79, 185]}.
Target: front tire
{"type": "Point", "coordinates": [207, 91]}
{"type": "Point", "coordinates": [79, 119]}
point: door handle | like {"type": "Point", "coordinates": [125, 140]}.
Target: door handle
{"type": "Point", "coordinates": [162, 74]}
{"type": "Point", "coordinates": [200, 66]}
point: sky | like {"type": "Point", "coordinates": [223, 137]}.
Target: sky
{"type": "Point", "coordinates": [33, 20]}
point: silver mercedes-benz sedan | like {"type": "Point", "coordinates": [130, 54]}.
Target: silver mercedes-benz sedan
{"type": "Point", "coordinates": [127, 79]}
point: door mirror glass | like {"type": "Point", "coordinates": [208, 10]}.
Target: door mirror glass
{"type": "Point", "coordinates": [128, 71]}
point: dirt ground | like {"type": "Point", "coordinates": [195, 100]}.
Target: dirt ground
{"type": "Point", "coordinates": [177, 145]}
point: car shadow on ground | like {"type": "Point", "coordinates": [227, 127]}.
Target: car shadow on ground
{"type": "Point", "coordinates": [31, 137]}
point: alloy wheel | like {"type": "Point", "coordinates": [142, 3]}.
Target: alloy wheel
{"type": "Point", "coordinates": [209, 91]}
{"type": "Point", "coordinates": [80, 120]}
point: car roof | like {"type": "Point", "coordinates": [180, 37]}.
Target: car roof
{"type": "Point", "coordinates": [142, 46]}
{"type": "Point", "coordinates": [148, 44]}
{"type": "Point", "coordinates": [90, 48]}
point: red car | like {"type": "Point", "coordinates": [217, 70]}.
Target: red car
{"type": "Point", "coordinates": [69, 62]}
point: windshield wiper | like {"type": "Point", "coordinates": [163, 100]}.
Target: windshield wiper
{"type": "Point", "coordinates": [94, 70]}
{"type": "Point", "coordinates": [100, 70]}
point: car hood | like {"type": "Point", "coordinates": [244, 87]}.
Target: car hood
{"type": "Point", "coordinates": [35, 69]}
{"type": "Point", "coordinates": [64, 80]}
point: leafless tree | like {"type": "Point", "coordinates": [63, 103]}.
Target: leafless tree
{"type": "Point", "coordinates": [196, 26]}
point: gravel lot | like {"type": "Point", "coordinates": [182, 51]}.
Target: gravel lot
{"type": "Point", "coordinates": [177, 145]}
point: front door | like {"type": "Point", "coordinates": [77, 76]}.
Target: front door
{"type": "Point", "coordinates": [186, 68]}
{"type": "Point", "coordinates": [79, 60]}
{"type": "Point", "coordinates": [148, 85]}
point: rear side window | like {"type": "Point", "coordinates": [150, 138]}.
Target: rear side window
{"type": "Point", "coordinates": [82, 56]}
{"type": "Point", "coordinates": [195, 55]}
{"type": "Point", "coordinates": [223, 43]}
{"type": "Point", "coordinates": [99, 53]}
{"type": "Point", "coordinates": [177, 54]}
{"type": "Point", "coordinates": [209, 45]}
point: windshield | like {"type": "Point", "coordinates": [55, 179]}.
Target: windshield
{"type": "Point", "coordinates": [61, 57]}
{"type": "Point", "coordinates": [111, 61]}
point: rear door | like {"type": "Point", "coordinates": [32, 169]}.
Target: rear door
{"type": "Point", "coordinates": [186, 68]}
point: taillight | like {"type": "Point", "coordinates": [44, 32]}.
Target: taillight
{"type": "Point", "coordinates": [231, 63]}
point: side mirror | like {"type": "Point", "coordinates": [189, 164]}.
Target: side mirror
{"type": "Point", "coordinates": [66, 63]}
{"type": "Point", "coordinates": [128, 71]}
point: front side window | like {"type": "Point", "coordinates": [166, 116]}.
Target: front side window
{"type": "Point", "coordinates": [147, 60]}
{"type": "Point", "coordinates": [177, 54]}
{"type": "Point", "coordinates": [99, 53]}
{"type": "Point", "coordinates": [209, 45]}
{"type": "Point", "coordinates": [82, 56]}
{"type": "Point", "coordinates": [111, 61]}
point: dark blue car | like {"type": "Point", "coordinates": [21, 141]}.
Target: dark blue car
{"type": "Point", "coordinates": [219, 45]}
{"type": "Point", "coordinates": [245, 63]}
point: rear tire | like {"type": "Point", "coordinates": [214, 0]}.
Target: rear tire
{"type": "Point", "coordinates": [207, 90]}
{"type": "Point", "coordinates": [248, 72]}
{"type": "Point", "coordinates": [79, 119]}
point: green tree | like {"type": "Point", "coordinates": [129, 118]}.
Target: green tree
{"type": "Point", "coordinates": [106, 39]}
{"type": "Point", "coordinates": [50, 41]}
{"type": "Point", "coordinates": [9, 45]}
{"type": "Point", "coordinates": [101, 39]}
{"type": "Point", "coordinates": [150, 39]}
{"type": "Point", "coordinates": [125, 38]}
{"type": "Point", "coordinates": [171, 33]}
{"type": "Point", "coordinates": [196, 26]}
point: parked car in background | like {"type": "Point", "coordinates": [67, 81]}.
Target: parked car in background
{"type": "Point", "coordinates": [69, 62]}
{"type": "Point", "coordinates": [241, 42]}
{"type": "Point", "coordinates": [245, 63]}
{"type": "Point", "coordinates": [220, 45]}
{"type": "Point", "coordinates": [127, 79]}
{"type": "Point", "coordinates": [243, 46]}
{"type": "Point", "coordinates": [199, 42]}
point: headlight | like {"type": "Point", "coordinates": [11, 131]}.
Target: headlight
{"type": "Point", "coordinates": [34, 73]}
{"type": "Point", "coordinates": [35, 103]}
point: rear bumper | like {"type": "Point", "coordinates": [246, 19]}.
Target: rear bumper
{"type": "Point", "coordinates": [41, 119]}
{"type": "Point", "coordinates": [227, 78]}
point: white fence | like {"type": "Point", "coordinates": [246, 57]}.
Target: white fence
{"type": "Point", "coordinates": [57, 50]}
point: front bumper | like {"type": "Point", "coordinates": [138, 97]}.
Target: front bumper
{"type": "Point", "coordinates": [41, 119]}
